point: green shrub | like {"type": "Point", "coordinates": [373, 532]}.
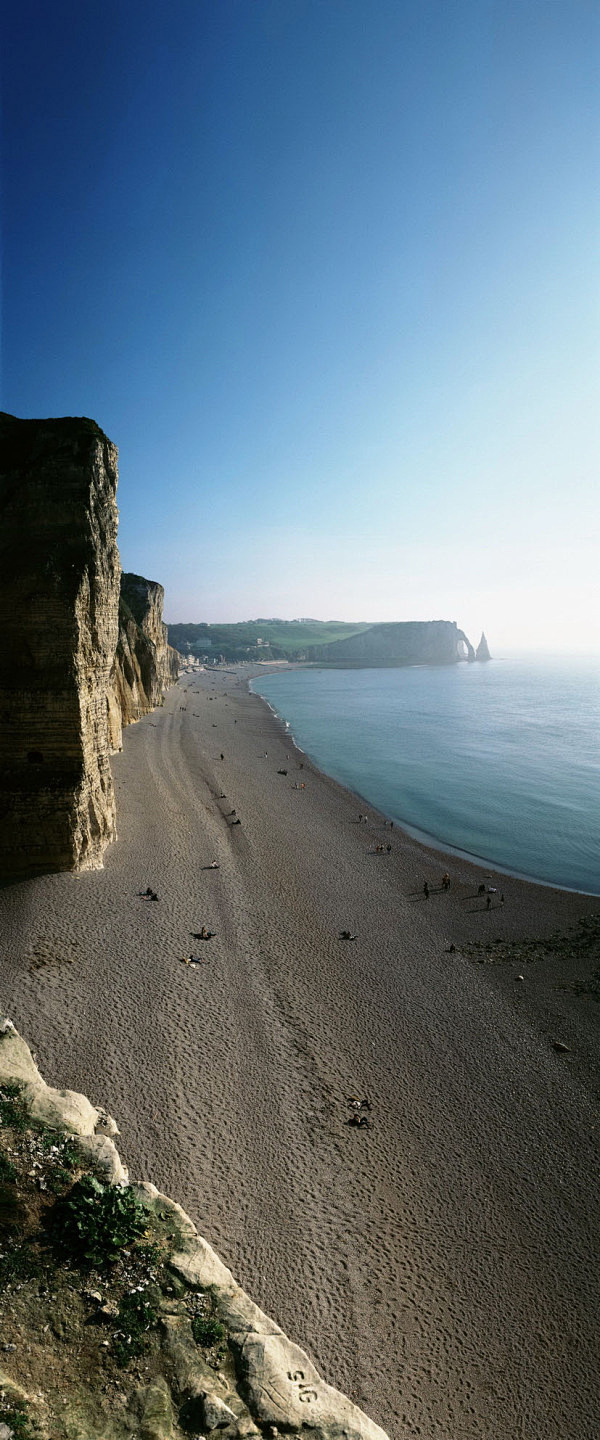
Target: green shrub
{"type": "Point", "coordinates": [57, 1180]}
{"type": "Point", "coordinates": [16, 1418]}
{"type": "Point", "coordinates": [19, 1263]}
{"type": "Point", "coordinates": [64, 1146]}
{"type": "Point", "coordinates": [13, 1110]}
{"type": "Point", "coordinates": [8, 1173]}
{"type": "Point", "coordinates": [149, 1254]}
{"type": "Point", "coordinates": [95, 1221]}
{"type": "Point", "coordinates": [136, 1317]}
{"type": "Point", "coordinates": [207, 1331]}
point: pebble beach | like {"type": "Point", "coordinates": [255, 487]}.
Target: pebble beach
{"type": "Point", "coordinates": [439, 1262]}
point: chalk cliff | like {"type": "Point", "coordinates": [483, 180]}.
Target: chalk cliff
{"type": "Point", "coordinates": [84, 649]}
{"type": "Point", "coordinates": [145, 664]}
{"type": "Point", "coordinates": [118, 1319]}
{"type": "Point", "coordinates": [482, 651]}
{"type": "Point", "coordinates": [409, 642]}
{"type": "Point", "coordinates": [59, 599]}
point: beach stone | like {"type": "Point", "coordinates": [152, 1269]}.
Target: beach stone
{"type": "Point", "coordinates": [241, 1316]}
{"type": "Point", "coordinates": [16, 1060]}
{"type": "Point", "coordinates": [195, 1380]}
{"type": "Point", "coordinates": [165, 1209]}
{"type": "Point", "coordinates": [216, 1413]}
{"type": "Point", "coordinates": [104, 1153]}
{"type": "Point", "coordinates": [199, 1266]}
{"type": "Point", "coordinates": [105, 1125]}
{"type": "Point", "coordinates": [60, 1109]}
{"type": "Point", "coordinates": [283, 1388]}
{"type": "Point", "coordinates": [153, 1408]}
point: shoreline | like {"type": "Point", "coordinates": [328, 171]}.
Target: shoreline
{"type": "Point", "coordinates": [427, 1263]}
{"type": "Point", "coordinates": [429, 841]}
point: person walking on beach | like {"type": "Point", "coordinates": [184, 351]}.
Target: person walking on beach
{"type": "Point", "coordinates": [426, 890]}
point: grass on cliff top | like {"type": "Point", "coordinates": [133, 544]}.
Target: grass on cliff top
{"type": "Point", "coordinates": [84, 1278]}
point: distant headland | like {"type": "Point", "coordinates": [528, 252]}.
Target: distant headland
{"type": "Point", "coordinates": [330, 642]}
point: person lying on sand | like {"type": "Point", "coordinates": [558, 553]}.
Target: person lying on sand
{"type": "Point", "coordinates": [194, 959]}
{"type": "Point", "coordinates": [345, 935]}
{"type": "Point", "coordinates": [148, 894]}
{"type": "Point", "coordinates": [203, 934]}
{"type": "Point", "coordinates": [358, 1120]}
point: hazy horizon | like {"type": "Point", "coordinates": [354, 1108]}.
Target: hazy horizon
{"type": "Point", "coordinates": [500, 651]}
{"type": "Point", "coordinates": [326, 273]}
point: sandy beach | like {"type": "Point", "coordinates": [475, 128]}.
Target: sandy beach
{"type": "Point", "coordinates": [441, 1264]}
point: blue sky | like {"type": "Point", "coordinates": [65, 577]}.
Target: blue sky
{"type": "Point", "coordinates": [327, 273]}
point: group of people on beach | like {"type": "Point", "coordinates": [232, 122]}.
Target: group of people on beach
{"type": "Point", "coordinates": [483, 890]}
{"type": "Point", "coordinates": [445, 885]}
{"type": "Point", "coordinates": [358, 1106]}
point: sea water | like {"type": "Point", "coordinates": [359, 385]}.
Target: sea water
{"type": "Point", "coordinates": [500, 761]}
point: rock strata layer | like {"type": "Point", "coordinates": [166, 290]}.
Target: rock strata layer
{"type": "Point", "coordinates": [259, 1384]}
{"type": "Point", "coordinates": [59, 598]}
{"type": "Point", "coordinates": [145, 664]}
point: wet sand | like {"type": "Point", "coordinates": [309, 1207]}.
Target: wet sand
{"type": "Point", "coordinates": [441, 1266]}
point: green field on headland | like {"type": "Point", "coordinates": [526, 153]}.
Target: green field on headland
{"type": "Point", "coordinates": [260, 639]}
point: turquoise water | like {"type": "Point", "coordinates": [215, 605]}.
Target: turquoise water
{"type": "Point", "coordinates": [501, 761]}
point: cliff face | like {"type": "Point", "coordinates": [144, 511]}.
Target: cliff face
{"type": "Point", "coordinates": [59, 597]}
{"type": "Point", "coordinates": [145, 664]}
{"type": "Point", "coordinates": [411, 642]}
